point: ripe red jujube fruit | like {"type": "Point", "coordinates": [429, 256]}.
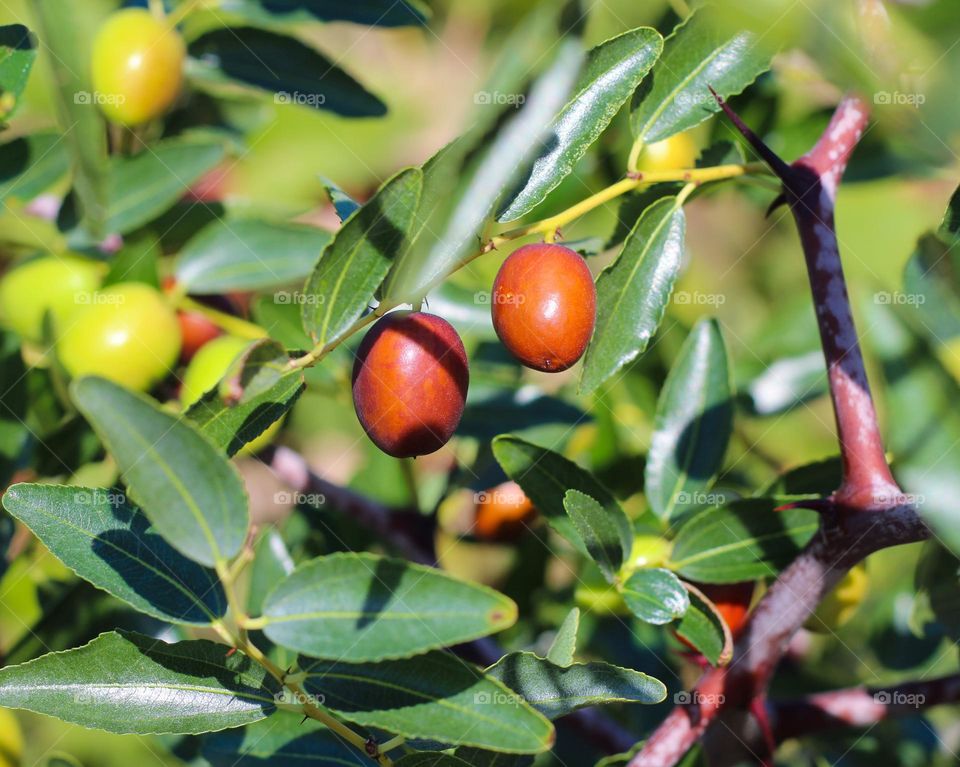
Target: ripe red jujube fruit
{"type": "Point", "coordinates": [410, 383]}
{"type": "Point", "coordinates": [544, 306]}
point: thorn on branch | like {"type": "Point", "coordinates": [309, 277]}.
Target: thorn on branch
{"type": "Point", "coordinates": [771, 158]}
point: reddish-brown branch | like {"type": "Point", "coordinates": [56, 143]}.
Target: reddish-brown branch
{"type": "Point", "coordinates": [846, 536]}
{"type": "Point", "coordinates": [859, 706]}
{"type": "Point", "coordinates": [842, 541]}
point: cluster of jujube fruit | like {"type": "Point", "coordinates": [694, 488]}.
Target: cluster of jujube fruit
{"type": "Point", "coordinates": [128, 332]}
{"type": "Point", "coordinates": [411, 373]}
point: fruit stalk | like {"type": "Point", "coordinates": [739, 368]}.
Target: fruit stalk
{"type": "Point", "coordinates": [547, 227]}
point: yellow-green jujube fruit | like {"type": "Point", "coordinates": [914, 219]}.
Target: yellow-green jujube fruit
{"type": "Point", "coordinates": [840, 604]}
{"type": "Point", "coordinates": [61, 285]}
{"type": "Point", "coordinates": [674, 153]}
{"type": "Point", "coordinates": [128, 334]}
{"type": "Point", "coordinates": [11, 739]}
{"type": "Point", "coordinates": [649, 550]}
{"type": "Point", "coordinates": [137, 66]}
{"type": "Point", "coordinates": [208, 366]}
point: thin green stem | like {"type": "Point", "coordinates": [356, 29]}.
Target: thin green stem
{"type": "Point", "coordinates": [156, 8]}
{"type": "Point", "coordinates": [393, 743]}
{"type": "Point", "coordinates": [183, 10]}
{"type": "Point", "coordinates": [238, 638]}
{"type": "Point", "coordinates": [410, 478]}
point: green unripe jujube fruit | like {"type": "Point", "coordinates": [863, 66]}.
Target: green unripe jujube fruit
{"type": "Point", "coordinates": [128, 334]}
{"type": "Point", "coordinates": [61, 285]}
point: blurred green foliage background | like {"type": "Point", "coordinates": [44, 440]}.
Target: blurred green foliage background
{"type": "Point", "coordinates": [747, 268]}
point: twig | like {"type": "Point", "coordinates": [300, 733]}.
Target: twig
{"type": "Point", "coordinates": [859, 706]}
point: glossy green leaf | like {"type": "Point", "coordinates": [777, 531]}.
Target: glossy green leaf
{"type": "Point", "coordinates": [249, 254]}
{"type": "Point", "coordinates": [137, 261]}
{"type": "Point", "coordinates": [786, 384]}
{"type": "Point", "coordinates": [931, 282]}
{"type": "Point", "coordinates": [247, 58]}
{"type": "Point", "coordinates": [700, 53]}
{"type": "Point", "coordinates": [129, 683]}
{"type": "Point", "coordinates": [564, 645]}
{"type": "Point", "coordinates": [342, 203]}
{"type": "Point", "coordinates": [704, 628]}
{"type": "Point", "coordinates": [633, 292]}
{"type": "Point", "coordinates": [83, 128]}
{"type": "Point", "coordinates": [434, 696]}
{"type": "Point", "coordinates": [189, 491]}
{"type": "Point", "coordinates": [272, 563]}
{"type": "Point", "coordinates": [655, 596]}
{"type": "Point", "coordinates": [464, 182]}
{"type": "Point", "coordinates": [31, 164]}
{"type": "Point", "coordinates": [949, 228]}
{"type": "Point", "coordinates": [142, 187]}
{"type": "Point", "coordinates": [546, 476]}
{"type": "Point", "coordinates": [380, 13]}
{"type": "Point", "coordinates": [230, 427]}
{"type": "Point", "coordinates": [344, 280]}
{"type": "Point", "coordinates": [103, 539]}
{"type": "Point", "coordinates": [18, 51]}
{"type": "Point", "coordinates": [281, 319]}
{"type": "Point", "coordinates": [281, 740]}
{"type": "Point", "coordinates": [612, 72]}
{"type": "Point", "coordinates": [362, 607]}
{"type": "Point", "coordinates": [924, 432]}
{"type": "Point", "coordinates": [937, 585]}
{"type": "Point", "coordinates": [556, 691]}
{"type": "Point", "coordinates": [14, 399]}
{"type": "Point", "coordinates": [258, 370]}
{"type": "Point", "coordinates": [742, 541]}
{"type": "Point", "coordinates": [693, 423]}
{"type": "Point", "coordinates": [606, 534]}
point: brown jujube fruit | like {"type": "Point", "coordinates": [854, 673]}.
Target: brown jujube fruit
{"type": "Point", "coordinates": [410, 383]}
{"type": "Point", "coordinates": [544, 306]}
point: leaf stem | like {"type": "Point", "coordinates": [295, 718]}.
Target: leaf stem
{"type": "Point", "coordinates": [156, 8]}
{"type": "Point", "coordinates": [549, 228]}
{"type": "Point", "coordinates": [633, 181]}
{"type": "Point", "coordinates": [393, 743]}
